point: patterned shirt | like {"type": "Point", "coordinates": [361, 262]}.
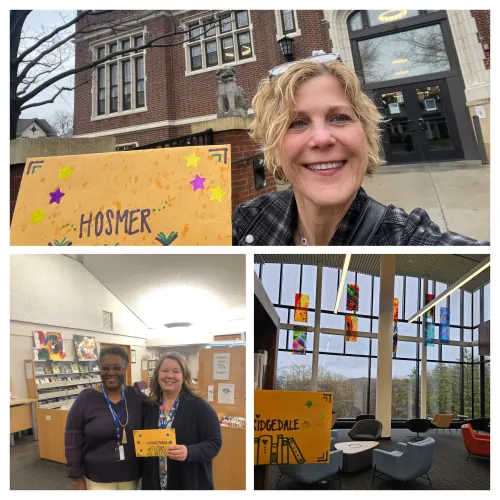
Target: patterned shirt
{"type": "Point", "coordinates": [271, 220]}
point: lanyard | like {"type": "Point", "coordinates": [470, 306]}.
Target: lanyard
{"type": "Point", "coordinates": [116, 417]}
{"type": "Point", "coordinates": [165, 420]}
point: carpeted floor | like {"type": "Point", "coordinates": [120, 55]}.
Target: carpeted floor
{"type": "Point", "coordinates": [449, 470]}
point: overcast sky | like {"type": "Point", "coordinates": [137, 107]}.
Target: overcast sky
{"type": "Point", "coordinates": [36, 22]}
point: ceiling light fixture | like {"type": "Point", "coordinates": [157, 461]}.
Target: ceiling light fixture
{"type": "Point", "coordinates": [342, 281]}
{"type": "Point", "coordinates": [484, 264]}
{"type": "Point", "coordinates": [178, 324]}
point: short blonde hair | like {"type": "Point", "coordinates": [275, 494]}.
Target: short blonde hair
{"type": "Point", "coordinates": [187, 381]}
{"type": "Point", "coordinates": [274, 105]}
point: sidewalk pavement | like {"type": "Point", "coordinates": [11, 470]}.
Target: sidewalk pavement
{"type": "Point", "coordinates": [456, 195]}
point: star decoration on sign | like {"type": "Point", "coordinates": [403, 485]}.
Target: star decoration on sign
{"type": "Point", "coordinates": [55, 197]}
{"type": "Point", "coordinates": [322, 416]}
{"type": "Point", "coordinates": [217, 194]}
{"type": "Point", "coordinates": [37, 217]}
{"type": "Point", "coordinates": [64, 173]}
{"type": "Point", "coordinates": [192, 160]}
{"type": "Point", "coordinates": [309, 404]}
{"type": "Point", "coordinates": [198, 182]}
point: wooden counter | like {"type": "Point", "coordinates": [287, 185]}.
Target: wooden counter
{"type": "Point", "coordinates": [22, 417]}
{"type": "Point", "coordinates": [51, 426]}
{"type": "Point", "coordinates": [230, 464]}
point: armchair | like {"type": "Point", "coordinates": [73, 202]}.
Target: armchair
{"type": "Point", "coordinates": [366, 430]}
{"type": "Point", "coordinates": [442, 421]}
{"type": "Point", "coordinates": [475, 444]}
{"type": "Point", "coordinates": [409, 461]}
{"type": "Point", "coordinates": [314, 473]}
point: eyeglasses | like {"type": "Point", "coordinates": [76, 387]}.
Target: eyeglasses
{"type": "Point", "coordinates": [115, 368]}
{"type": "Point", "coordinates": [322, 59]}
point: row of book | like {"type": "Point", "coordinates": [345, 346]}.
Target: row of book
{"type": "Point", "coordinates": [231, 421]}
{"type": "Point", "coordinates": [68, 380]}
{"type": "Point", "coordinates": [58, 368]}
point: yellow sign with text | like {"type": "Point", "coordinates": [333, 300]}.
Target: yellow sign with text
{"type": "Point", "coordinates": [170, 196]}
{"type": "Point", "coordinates": [292, 427]}
{"type": "Point", "coordinates": [153, 442]}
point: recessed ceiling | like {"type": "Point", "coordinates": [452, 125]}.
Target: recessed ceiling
{"type": "Point", "coordinates": [443, 268]}
{"type": "Point", "coordinates": [161, 289]}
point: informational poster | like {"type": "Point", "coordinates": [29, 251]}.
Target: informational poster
{"type": "Point", "coordinates": [292, 427]}
{"type": "Point", "coordinates": [225, 394]}
{"type": "Point", "coordinates": [221, 368]}
{"type": "Point", "coordinates": [480, 112]}
{"type": "Point", "coordinates": [153, 442]}
{"type": "Point", "coordinates": [170, 196]}
{"type": "Point", "coordinates": [28, 367]}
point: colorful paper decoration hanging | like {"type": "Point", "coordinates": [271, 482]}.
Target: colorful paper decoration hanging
{"type": "Point", "coordinates": [395, 326]}
{"type": "Point", "coordinates": [444, 326]}
{"type": "Point", "coordinates": [351, 328]}
{"type": "Point", "coordinates": [299, 345]}
{"type": "Point", "coordinates": [429, 321]}
{"type": "Point", "coordinates": [352, 298]}
{"type": "Point", "coordinates": [301, 305]}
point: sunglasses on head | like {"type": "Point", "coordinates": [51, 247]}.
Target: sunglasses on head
{"type": "Point", "coordinates": [322, 59]}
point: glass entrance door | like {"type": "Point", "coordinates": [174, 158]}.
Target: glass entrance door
{"type": "Point", "coordinates": [420, 125]}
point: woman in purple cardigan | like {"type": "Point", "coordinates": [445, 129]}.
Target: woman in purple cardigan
{"type": "Point", "coordinates": [99, 441]}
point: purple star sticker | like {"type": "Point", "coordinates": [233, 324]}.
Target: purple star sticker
{"type": "Point", "coordinates": [56, 196]}
{"type": "Point", "coordinates": [197, 182]}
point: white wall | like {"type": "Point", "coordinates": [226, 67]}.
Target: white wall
{"type": "Point", "coordinates": [191, 351]}
{"type": "Point", "coordinates": [56, 293]}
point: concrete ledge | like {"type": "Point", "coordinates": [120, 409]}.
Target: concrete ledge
{"type": "Point", "coordinates": [221, 124]}
{"type": "Point", "coordinates": [21, 149]}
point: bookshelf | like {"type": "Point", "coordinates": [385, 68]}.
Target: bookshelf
{"type": "Point", "coordinates": [57, 383]}
{"type": "Point", "coordinates": [266, 338]}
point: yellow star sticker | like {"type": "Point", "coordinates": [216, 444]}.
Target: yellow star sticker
{"type": "Point", "coordinates": [192, 160]}
{"type": "Point", "coordinates": [217, 193]}
{"type": "Point", "coordinates": [36, 217]}
{"type": "Point", "coordinates": [64, 173]}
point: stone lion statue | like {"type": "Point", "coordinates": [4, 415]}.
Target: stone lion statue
{"type": "Point", "coordinates": [230, 98]}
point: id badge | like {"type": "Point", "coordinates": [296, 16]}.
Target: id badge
{"type": "Point", "coordinates": [120, 453]}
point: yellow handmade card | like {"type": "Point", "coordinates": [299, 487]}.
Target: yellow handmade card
{"type": "Point", "coordinates": [153, 442]}
{"type": "Point", "coordinates": [292, 427]}
{"type": "Point", "coordinates": [171, 196]}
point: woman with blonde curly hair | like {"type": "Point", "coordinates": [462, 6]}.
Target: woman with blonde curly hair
{"type": "Point", "coordinates": [319, 131]}
{"type": "Point", "coordinates": [174, 403]}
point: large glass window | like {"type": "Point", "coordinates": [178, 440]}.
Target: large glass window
{"type": "Point", "coordinates": [409, 53]}
{"type": "Point", "coordinates": [215, 43]}
{"type": "Point", "coordinates": [443, 388]}
{"type": "Point", "coordinates": [404, 386]}
{"type": "Point", "coordinates": [120, 80]}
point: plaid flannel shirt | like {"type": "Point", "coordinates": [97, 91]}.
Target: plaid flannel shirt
{"type": "Point", "coordinates": [271, 219]}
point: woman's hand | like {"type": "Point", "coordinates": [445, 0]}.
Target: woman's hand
{"type": "Point", "coordinates": [177, 452]}
{"type": "Point", "coordinates": [79, 483]}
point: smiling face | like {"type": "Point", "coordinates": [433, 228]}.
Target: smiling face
{"type": "Point", "coordinates": [113, 368]}
{"type": "Point", "coordinates": [324, 152]}
{"type": "Point", "coordinates": [170, 376]}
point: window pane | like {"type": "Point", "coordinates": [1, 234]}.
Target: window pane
{"type": "Point", "coordinates": [125, 44]}
{"type": "Point", "coordinates": [476, 306]}
{"type": "Point", "coordinates": [227, 49]}
{"type": "Point", "coordinates": [331, 343]}
{"type": "Point", "coordinates": [373, 386]}
{"type": "Point", "coordinates": [196, 62]}
{"type": "Point", "coordinates": [377, 17]}
{"type": "Point", "coordinates": [194, 31]}
{"type": "Point", "coordinates": [139, 68]}
{"type": "Point", "coordinates": [242, 19]}
{"type": "Point", "coordinates": [406, 349]}
{"type": "Point", "coordinates": [127, 87]}
{"type": "Point", "coordinates": [451, 353]}
{"type": "Point", "coordinates": [409, 329]}
{"type": "Point", "coordinates": [294, 372]}
{"type": "Point", "coordinates": [486, 390]}
{"type": "Point", "coordinates": [287, 20]}
{"type": "Point", "coordinates": [113, 47]}
{"type": "Point", "coordinates": [101, 52]}
{"type": "Point", "coordinates": [404, 386]}
{"type": "Point", "coordinates": [309, 283]}
{"type": "Point", "coordinates": [290, 284]}
{"type": "Point", "coordinates": [455, 308]}
{"type": "Point", "coordinates": [365, 294]}
{"type": "Point", "coordinates": [467, 309]}
{"type": "Point", "coordinates": [347, 378]}
{"type": "Point", "coordinates": [244, 45]}
{"type": "Point", "coordinates": [398, 294]}
{"type": "Point", "coordinates": [350, 280]}
{"type": "Point", "coordinates": [271, 281]}
{"type": "Point", "coordinates": [443, 388]}
{"type": "Point", "coordinates": [400, 55]}
{"type": "Point", "coordinates": [138, 41]}
{"type": "Point", "coordinates": [362, 346]}
{"type": "Point", "coordinates": [333, 321]}
{"type": "Point", "coordinates": [225, 24]}
{"type": "Point", "coordinates": [139, 75]}
{"type": "Point", "coordinates": [486, 310]}
{"type": "Point", "coordinates": [329, 288]}
{"type": "Point", "coordinates": [113, 78]}
{"type": "Point", "coordinates": [356, 22]}
{"type": "Point", "coordinates": [210, 30]}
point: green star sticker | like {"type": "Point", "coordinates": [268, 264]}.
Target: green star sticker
{"type": "Point", "coordinates": [309, 404]}
{"type": "Point", "coordinates": [322, 416]}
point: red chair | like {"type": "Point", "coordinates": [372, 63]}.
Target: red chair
{"type": "Point", "coordinates": [476, 444]}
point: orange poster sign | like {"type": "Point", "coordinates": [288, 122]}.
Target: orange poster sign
{"type": "Point", "coordinates": [292, 427]}
{"type": "Point", "coordinates": [171, 196]}
{"type": "Point", "coordinates": [153, 442]}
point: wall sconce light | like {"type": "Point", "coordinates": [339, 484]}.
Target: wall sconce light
{"type": "Point", "coordinates": [286, 46]}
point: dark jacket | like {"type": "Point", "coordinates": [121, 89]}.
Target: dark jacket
{"type": "Point", "coordinates": [271, 219]}
{"type": "Point", "coordinates": [197, 427]}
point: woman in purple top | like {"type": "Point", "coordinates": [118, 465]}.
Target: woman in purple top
{"type": "Point", "coordinates": [99, 441]}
